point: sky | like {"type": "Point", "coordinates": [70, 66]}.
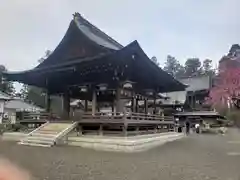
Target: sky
{"type": "Point", "coordinates": [181, 28]}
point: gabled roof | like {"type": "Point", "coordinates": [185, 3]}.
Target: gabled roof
{"type": "Point", "coordinates": [4, 96]}
{"type": "Point", "coordinates": [87, 55]}
{"type": "Point", "coordinates": [82, 40]}
{"type": "Point", "coordinates": [20, 105]}
{"type": "Point", "coordinates": [95, 34]}
{"type": "Point", "coordinates": [197, 83]}
{"type": "Point", "coordinates": [152, 76]}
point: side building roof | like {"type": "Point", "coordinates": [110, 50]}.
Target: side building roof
{"type": "Point", "coordinates": [4, 96]}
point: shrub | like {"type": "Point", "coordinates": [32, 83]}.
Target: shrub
{"type": "Point", "coordinates": [234, 116]}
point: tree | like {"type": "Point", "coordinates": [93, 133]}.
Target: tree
{"type": "Point", "coordinates": [24, 91]}
{"type": "Point", "coordinates": [5, 86]}
{"type": "Point", "coordinates": [192, 67]}
{"type": "Point", "coordinates": [207, 67]}
{"type": "Point", "coordinates": [35, 94]}
{"type": "Point", "coordinates": [154, 59]}
{"type": "Point", "coordinates": [173, 67]}
{"type": "Point", "coordinates": [47, 54]}
{"type": "Point", "coordinates": [180, 71]}
{"type": "Point", "coordinates": [234, 50]}
{"type": "Point", "coordinates": [226, 91]}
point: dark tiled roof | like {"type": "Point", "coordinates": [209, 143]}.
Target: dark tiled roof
{"type": "Point", "coordinates": [95, 34]}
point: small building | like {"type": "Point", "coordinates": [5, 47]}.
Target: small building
{"type": "Point", "coordinates": [193, 97]}
{"type": "Point", "coordinates": [11, 108]}
{"type": "Point", "coordinates": [3, 99]}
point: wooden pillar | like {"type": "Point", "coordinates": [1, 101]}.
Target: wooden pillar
{"type": "Point", "coordinates": [124, 128]}
{"type": "Point", "coordinates": [100, 130]}
{"type": "Point", "coordinates": [146, 106]}
{"type": "Point", "coordinates": [154, 106]}
{"type": "Point", "coordinates": [66, 105]}
{"type": "Point", "coordinates": [47, 97]}
{"type": "Point", "coordinates": [137, 130]}
{"type": "Point", "coordinates": [86, 105]}
{"type": "Point", "coordinates": [94, 102]}
{"type": "Point", "coordinates": [136, 105]}
{"type": "Point", "coordinates": [133, 104]}
{"type": "Point", "coordinates": [156, 129]}
{"type": "Point", "coordinates": [79, 130]}
{"type": "Point", "coordinates": [118, 99]}
{"type": "Point", "coordinates": [48, 102]}
{"type": "Point", "coordinates": [112, 106]}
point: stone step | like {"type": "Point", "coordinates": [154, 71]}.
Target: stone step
{"type": "Point", "coordinates": [48, 132]}
{"type": "Point", "coordinates": [56, 126]}
{"type": "Point", "coordinates": [34, 144]}
{"type": "Point", "coordinates": [38, 141]}
{"type": "Point", "coordinates": [43, 135]}
{"type": "Point", "coordinates": [39, 138]}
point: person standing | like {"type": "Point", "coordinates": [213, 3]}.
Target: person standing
{"type": "Point", "coordinates": [187, 128]}
{"type": "Point", "coordinates": [197, 126]}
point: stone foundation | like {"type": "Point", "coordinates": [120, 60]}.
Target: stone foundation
{"type": "Point", "coordinates": [108, 143]}
{"type": "Point", "coordinates": [13, 136]}
{"type": "Point", "coordinates": [124, 144]}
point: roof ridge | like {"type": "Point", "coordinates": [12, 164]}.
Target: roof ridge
{"type": "Point", "coordinates": [78, 16]}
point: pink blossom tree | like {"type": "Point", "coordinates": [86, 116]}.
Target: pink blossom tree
{"type": "Point", "coordinates": [226, 89]}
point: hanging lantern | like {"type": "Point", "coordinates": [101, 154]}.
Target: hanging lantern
{"type": "Point", "coordinates": [128, 85]}
{"type": "Point", "coordinates": [102, 87]}
{"type": "Point", "coordinates": [149, 92]}
{"type": "Point", "coordinates": [83, 88]}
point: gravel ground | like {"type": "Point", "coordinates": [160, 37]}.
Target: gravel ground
{"type": "Point", "coordinates": [196, 157]}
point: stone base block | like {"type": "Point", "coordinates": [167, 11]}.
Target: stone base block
{"type": "Point", "coordinates": [13, 136]}
{"type": "Point", "coordinates": [124, 144]}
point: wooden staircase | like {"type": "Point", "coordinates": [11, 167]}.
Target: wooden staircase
{"type": "Point", "coordinates": [49, 134]}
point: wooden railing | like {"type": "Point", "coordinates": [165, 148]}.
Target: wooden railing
{"type": "Point", "coordinates": [125, 117]}
{"type": "Point", "coordinates": [141, 116]}
{"type": "Point", "coordinates": [103, 116]}
{"type": "Point", "coordinates": [38, 116]}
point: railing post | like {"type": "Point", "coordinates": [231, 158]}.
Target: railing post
{"type": "Point", "coordinates": [79, 130]}
{"type": "Point", "coordinates": [137, 130]}
{"type": "Point", "coordinates": [156, 129]}
{"type": "Point", "coordinates": [101, 130]}
{"type": "Point", "coordinates": [125, 126]}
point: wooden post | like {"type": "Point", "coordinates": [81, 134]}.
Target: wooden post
{"type": "Point", "coordinates": [118, 99]}
{"type": "Point", "coordinates": [86, 105]}
{"type": "Point", "coordinates": [124, 128]}
{"type": "Point", "coordinates": [146, 106]}
{"type": "Point", "coordinates": [66, 105]}
{"type": "Point", "coordinates": [133, 104]}
{"type": "Point", "coordinates": [156, 129]}
{"type": "Point", "coordinates": [112, 108]}
{"type": "Point", "coordinates": [100, 132]}
{"type": "Point", "coordinates": [79, 130]}
{"type": "Point", "coordinates": [48, 102]}
{"type": "Point", "coordinates": [136, 106]}
{"type": "Point", "coordinates": [137, 130]}
{"type": "Point", "coordinates": [47, 97]}
{"type": "Point", "coordinates": [154, 106]}
{"type": "Point", "coordinates": [94, 102]}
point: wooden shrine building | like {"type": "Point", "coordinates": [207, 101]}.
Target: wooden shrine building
{"type": "Point", "coordinates": [89, 65]}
